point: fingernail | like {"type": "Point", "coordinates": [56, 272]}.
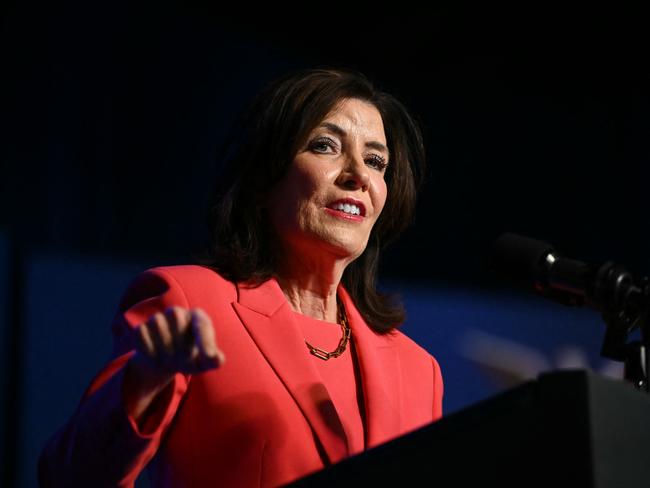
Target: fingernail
{"type": "Point", "coordinates": [221, 357]}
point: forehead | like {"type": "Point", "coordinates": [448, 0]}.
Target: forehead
{"type": "Point", "coordinates": [359, 117]}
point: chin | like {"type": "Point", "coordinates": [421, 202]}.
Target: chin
{"type": "Point", "coordinates": [343, 249]}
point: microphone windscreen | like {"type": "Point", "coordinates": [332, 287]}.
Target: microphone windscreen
{"type": "Point", "coordinates": [519, 258]}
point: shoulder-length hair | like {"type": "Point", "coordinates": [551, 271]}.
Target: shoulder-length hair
{"type": "Point", "coordinates": [269, 136]}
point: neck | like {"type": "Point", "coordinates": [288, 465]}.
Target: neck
{"type": "Point", "coordinates": [310, 287]}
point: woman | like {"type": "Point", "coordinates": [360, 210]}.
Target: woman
{"type": "Point", "coordinates": [275, 357]}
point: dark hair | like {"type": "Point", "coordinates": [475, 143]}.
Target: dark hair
{"type": "Point", "coordinates": [269, 136]}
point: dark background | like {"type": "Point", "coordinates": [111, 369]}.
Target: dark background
{"type": "Point", "coordinates": [536, 121]}
{"type": "Point", "coordinates": [112, 116]}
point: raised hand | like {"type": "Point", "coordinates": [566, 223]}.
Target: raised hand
{"type": "Point", "coordinates": [178, 340]}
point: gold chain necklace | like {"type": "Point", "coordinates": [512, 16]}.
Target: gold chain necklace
{"type": "Point", "coordinates": [345, 327]}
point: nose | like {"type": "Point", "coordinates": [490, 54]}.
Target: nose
{"type": "Point", "coordinates": [354, 174]}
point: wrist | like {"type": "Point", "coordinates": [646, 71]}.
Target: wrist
{"type": "Point", "coordinates": [142, 384]}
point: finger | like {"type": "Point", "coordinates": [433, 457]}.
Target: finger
{"type": "Point", "coordinates": [194, 364]}
{"type": "Point", "coordinates": [161, 338]}
{"type": "Point", "coordinates": [144, 343]}
{"type": "Point", "coordinates": [204, 337]}
{"type": "Point", "coordinates": [178, 321]}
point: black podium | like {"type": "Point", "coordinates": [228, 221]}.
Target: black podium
{"type": "Point", "coordinates": [565, 429]}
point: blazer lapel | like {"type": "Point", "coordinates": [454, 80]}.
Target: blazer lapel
{"type": "Point", "coordinates": [380, 377]}
{"type": "Point", "coordinates": [267, 316]}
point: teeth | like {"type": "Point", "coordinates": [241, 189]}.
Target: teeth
{"type": "Point", "coordinates": [347, 208]}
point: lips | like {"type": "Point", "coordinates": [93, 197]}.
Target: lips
{"type": "Point", "coordinates": [349, 206]}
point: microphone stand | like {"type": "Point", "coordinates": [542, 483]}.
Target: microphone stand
{"type": "Point", "coordinates": [625, 307]}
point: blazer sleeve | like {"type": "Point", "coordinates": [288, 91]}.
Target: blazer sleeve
{"type": "Point", "coordinates": [101, 445]}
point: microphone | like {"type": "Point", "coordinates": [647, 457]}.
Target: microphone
{"type": "Point", "coordinates": [609, 288]}
{"type": "Point", "coordinates": [564, 280]}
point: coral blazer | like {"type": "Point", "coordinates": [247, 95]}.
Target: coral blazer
{"type": "Point", "coordinates": [264, 418]}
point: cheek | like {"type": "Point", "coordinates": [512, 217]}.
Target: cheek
{"type": "Point", "coordinates": [296, 187]}
{"type": "Point", "coordinates": [381, 195]}
{"type": "Point", "coordinates": [308, 179]}
{"type": "Point", "coordinates": [300, 197]}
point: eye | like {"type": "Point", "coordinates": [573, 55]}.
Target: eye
{"type": "Point", "coordinates": [376, 161]}
{"type": "Point", "coordinates": [322, 144]}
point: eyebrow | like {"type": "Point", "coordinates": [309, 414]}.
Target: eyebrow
{"type": "Point", "coordinates": [340, 132]}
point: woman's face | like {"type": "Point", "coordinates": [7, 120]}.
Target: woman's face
{"type": "Point", "coordinates": [334, 190]}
